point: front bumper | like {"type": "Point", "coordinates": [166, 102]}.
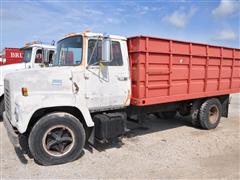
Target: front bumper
{"type": "Point", "coordinates": [13, 136]}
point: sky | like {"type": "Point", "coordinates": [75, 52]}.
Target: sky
{"type": "Point", "coordinates": [215, 22]}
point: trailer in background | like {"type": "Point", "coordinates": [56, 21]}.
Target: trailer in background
{"type": "Point", "coordinates": [32, 55]}
{"type": "Point", "coordinates": [11, 56]}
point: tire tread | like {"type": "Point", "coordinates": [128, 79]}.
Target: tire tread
{"type": "Point", "coordinates": [203, 113]}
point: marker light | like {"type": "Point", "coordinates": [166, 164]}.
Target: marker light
{"type": "Point", "coordinates": [70, 35]}
{"type": "Point", "coordinates": [24, 91]}
{"type": "Point", "coordinates": [31, 43]}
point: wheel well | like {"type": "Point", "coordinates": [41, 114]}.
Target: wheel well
{"type": "Point", "coordinates": [44, 111]}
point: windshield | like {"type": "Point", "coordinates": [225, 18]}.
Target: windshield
{"type": "Point", "coordinates": [27, 55]}
{"type": "Point", "coordinates": [69, 52]}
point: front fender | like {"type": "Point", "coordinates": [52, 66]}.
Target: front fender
{"type": "Point", "coordinates": [27, 106]}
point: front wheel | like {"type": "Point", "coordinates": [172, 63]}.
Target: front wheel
{"type": "Point", "coordinates": [56, 138]}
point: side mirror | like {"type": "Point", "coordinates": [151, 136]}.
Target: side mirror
{"type": "Point", "coordinates": [106, 49]}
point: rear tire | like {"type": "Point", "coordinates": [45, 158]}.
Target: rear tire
{"type": "Point", "coordinates": [56, 138]}
{"type": "Point", "coordinates": [210, 113]}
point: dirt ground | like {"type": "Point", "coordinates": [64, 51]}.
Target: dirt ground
{"type": "Point", "coordinates": [160, 149]}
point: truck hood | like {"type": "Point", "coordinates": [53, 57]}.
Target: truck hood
{"type": "Point", "coordinates": [41, 84]}
{"type": "Point", "coordinates": [13, 66]}
{"type": "Point", "coordinates": [51, 79]}
{"type": "Point", "coordinates": [10, 68]}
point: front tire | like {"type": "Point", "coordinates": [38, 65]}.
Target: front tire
{"type": "Point", "coordinates": [210, 113]}
{"type": "Point", "coordinates": [56, 138]}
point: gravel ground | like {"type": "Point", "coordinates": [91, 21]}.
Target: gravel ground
{"type": "Point", "coordinates": [160, 149]}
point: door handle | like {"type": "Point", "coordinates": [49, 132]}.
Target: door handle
{"type": "Point", "coordinates": [122, 78]}
{"type": "Point", "coordinates": [76, 87]}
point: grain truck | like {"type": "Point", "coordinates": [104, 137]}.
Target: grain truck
{"type": "Point", "coordinates": [33, 54]}
{"type": "Point", "coordinates": [99, 81]}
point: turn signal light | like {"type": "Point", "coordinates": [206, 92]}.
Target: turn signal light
{"type": "Point", "coordinates": [24, 91]}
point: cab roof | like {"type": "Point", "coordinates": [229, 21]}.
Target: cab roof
{"type": "Point", "coordinates": [92, 34]}
{"type": "Point", "coordinates": [45, 46]}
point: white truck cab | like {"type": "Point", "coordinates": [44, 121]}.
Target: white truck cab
{"type": "Point", "coordinates": [36, 55]}
{"type": "Point", "coordinates": [55, 107]}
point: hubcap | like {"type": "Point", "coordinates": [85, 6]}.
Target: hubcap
{"type": "Point", "coordinates": [58, 140]}
{"type": "Point", "coordinates": [213, 114]}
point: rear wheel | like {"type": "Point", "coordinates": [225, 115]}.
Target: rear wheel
{"type": "Point", "coordinates": [56, 138]}
{"type": "Point", "coordinates": [210, 113]}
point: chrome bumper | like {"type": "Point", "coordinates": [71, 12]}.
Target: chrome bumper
{"type": "Point", "coordinates": [13, 136]}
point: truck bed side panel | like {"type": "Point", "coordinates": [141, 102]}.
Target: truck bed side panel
{"type": "Point", "coordinates": [164, 70]}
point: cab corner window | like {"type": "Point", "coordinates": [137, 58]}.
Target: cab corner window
{"type": "Point", "coordinates": [95, 53]}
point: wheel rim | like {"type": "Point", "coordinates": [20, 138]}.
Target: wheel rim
{"type": "Point", "coordinates": [213, 114]}
{"type": "Point", "coordinates": [58, 140]}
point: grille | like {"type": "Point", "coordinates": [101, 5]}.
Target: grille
{"type": "Point", "coordinates": [7, 100]}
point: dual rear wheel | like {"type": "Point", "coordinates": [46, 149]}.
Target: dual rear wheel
{"type": "Point", "coordinates": [207, 115]}
{"type": "Point", "coordinates": [210, 113]}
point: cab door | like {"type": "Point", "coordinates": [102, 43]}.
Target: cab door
{"type": "Point", "coordinates": [107, 84]}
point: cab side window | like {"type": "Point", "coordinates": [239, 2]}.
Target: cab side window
{"type": "Point", "coordinates": [116, 54]}
{"type": "Point", "coordinates": [95, 53]}
{"type": "Point", "coordinates": [39, 56]}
